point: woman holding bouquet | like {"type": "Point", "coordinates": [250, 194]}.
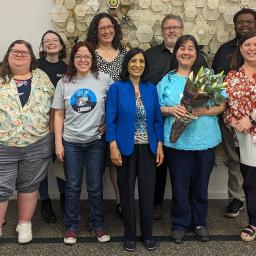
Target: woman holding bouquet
{"type": "Point", "coordinates": [191, 158]}
{"type": "Point", "coordinates": [241, 115]}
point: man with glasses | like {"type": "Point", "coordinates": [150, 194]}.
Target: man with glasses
{"type": "Point", "coordinates": [159, 59]}
{"type": "Point", "coordinates": [244, 21]}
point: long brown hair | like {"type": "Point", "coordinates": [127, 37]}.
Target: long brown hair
{"type": "Point", "coordinates": [72, 71]}
{"type": "Point", "coordinates": [5, 71]}
{"type": "Point", "coordinates": [237, 59]}
{"type": "Point", "coordinates": [92, 34]}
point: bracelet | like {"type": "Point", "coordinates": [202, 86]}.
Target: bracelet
{"type": "Point", "coordinates": [253, 122]}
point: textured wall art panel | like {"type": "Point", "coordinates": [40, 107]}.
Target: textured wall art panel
{"type": "Point", "coordinates": [210, 21]}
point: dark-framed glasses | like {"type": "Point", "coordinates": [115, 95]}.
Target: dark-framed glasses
{"type": "Point", "coordinates": [104, 28]}
{"type": "Point", "coordinates": [80, 57]}
{"type": "Point", "coordinates": [16, 52]}
{"type": "Point", "coordinates": [172, 27]}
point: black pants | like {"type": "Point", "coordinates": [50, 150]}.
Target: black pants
{"type": "Point", "coordinates": [249, 186]}
{"type": "Point", "coordinates": [140, 163]}
{"type": "Point", "coordinates": [161, 173]}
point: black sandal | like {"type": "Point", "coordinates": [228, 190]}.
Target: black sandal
{"type": "Point", "coordinates": [251, 233]}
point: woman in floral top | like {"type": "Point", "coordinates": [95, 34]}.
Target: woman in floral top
{"type": "Point", "coordinates": [26, 144]}
{"type": "Point", "coordinates": [241, 116]}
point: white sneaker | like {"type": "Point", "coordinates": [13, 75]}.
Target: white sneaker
{"type": "Point", "coordinates": [102, 236]}
{"type": "Point", "coordinates": [24, 230]}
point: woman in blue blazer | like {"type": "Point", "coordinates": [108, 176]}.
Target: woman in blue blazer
{"type": "Point", "coordinates": [135, 132]}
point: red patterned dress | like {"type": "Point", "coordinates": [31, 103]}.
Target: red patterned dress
{"type": "Point", "coordinates": [241, 91]}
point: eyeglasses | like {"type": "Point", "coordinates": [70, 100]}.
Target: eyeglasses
{"type": "Point", "coordinates": [80, 57]}
{"type": "Point", "coordinates": [104, 28]}
{"type": "Point", "coordinates": [173, 27]}
{"type": "Point", "coordinates": [48, 41]}
{"type": "Point", "coordinates": [246, 22]}
{"type": "Point", "coordinates": [16, 52]}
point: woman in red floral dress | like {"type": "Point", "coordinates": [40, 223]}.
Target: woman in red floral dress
{"type": "Point", "coordinates": [241, 116]}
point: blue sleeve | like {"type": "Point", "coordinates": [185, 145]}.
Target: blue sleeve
{"type": "Point", "coordinates": [158, 118]}
{"type": "Point", "coordinates": [111, 113]}
{"type": "Point", "coordinates": [160, 91]}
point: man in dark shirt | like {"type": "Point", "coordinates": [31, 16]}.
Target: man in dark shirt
{"type": "Point", "coordinates": [159, 58]}
{"type": "Point", "coordinates": [244, 21]}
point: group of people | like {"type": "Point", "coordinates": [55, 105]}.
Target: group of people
{"type": "Point", "coordinates": [114, 107]}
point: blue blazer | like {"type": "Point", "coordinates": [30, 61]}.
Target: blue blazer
{"type": "Point", "coordinates": [121, 115]}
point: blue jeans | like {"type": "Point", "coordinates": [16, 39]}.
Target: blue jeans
{"type": "Point", "coordinates": [76, 155]}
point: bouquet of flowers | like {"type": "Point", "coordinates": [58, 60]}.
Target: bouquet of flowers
{"type": "Point", "coordinates": [197, 92]}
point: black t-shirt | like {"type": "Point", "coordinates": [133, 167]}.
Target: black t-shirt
{"type": "Point", "coordinates": [159, 59]}
{"type": "Point", "coordinates": [55, 71]}
{"type": "Point", "coordinates": [223, 57]}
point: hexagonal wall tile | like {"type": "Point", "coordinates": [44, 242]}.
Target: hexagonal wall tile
{"type": "Point", "coordinates": [80, 11]}
{"type": "Point", "coordinates": [210, 14]}
{"type": "Point", "coordinates": [144, 33]}
{"type": "Point", "coordinates": [59, 13]}
{"type": "Point", "coordinates": [213, 4]}
{"type": "Point", "coordinates": [156, 6]}
{"type": "Point", "coordinates": [144, 4]}
{"type": "Point", "coordinates": [70, 4]}
{"type": "Point", "coordinates": [93, 5]}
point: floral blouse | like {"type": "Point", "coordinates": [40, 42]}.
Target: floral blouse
{"type": "Point", "coordinates": [241, 91]}
{"type": "Point", "coordinates": [22, 126]}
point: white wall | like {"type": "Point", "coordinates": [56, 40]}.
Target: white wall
{"type": "Point", "coordinates": [23, 19]}
{"type": "Point", "coordinates": [29, 19]}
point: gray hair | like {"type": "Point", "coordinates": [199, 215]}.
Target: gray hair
{"type": "Point", "coordinates": [172, 17]}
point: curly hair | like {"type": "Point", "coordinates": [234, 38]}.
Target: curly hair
{"type": "Point", "coordinates": [92, 34]}
{"type": "Point", "coordinates": [6, 73]}
{"type": "Point", "coordinates": [72, 71]}
{"type": "Point", "coordinates": [62, 52]}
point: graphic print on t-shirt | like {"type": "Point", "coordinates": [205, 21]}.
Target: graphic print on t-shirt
{"type": "Point", "coordinates": [83, 100]}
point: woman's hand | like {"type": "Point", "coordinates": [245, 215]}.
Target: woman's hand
{"type": "Point", "coordinates": [159, 154]}
{"type": "Point", "coordinates": [233, 123]}
{"type": "Point", "coordinates": [59, 151]}
{"type": "Point", "coordinates": [200, 111]}
{"type": "Point", "coordinates": [177, 111]}
{"type": "Point", "coordinates": [115, 155]}
{"type": "Point", "coordinates": [102, 129]}
{"type": "Point", "coordinates": [211, 111]}
{"type": "Point", "coordinates": [244, 124]}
